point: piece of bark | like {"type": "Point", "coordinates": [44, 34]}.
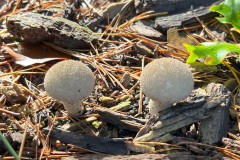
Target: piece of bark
{"type": "Point", "coordinates": [214, 128]}
{"type": "Point", "coordinates": [98, 144]}
{"type": "Point", "coordinates": [194, 109]}
{"type": "Point", "coordinates": [146, 128]}
{"type": "Point", "coordinates": [170, 6]}
{"type": "Point", "coordinates": [173, 156]}
{"type": "Point", "coordinates": [182, 19]}
{"type": "Point", "coordinates": [185, 17]}
{"type": "Point", "coordinates": [33, 27]}
{"type": "Point", "coordinates": [144, 30]}
{"type": "Point", "coordinates": [120, 120]}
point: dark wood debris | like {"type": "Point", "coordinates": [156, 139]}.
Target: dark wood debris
{"type": "Point", "coordinates": [214, 128]}
{"type": "Point", "coordinates": [98, 144]}
{"type": "Point", "coordinates": [185, 18]}
{"type": "Point", "coordinates": [122, 121]}
{"type": "Point", "coordinates": [195, 109]}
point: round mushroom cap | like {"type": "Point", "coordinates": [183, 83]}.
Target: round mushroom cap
{"type": "Point", "coordinates": [167, 80]}
{"type": "Point", "coordinates": [69, 80]}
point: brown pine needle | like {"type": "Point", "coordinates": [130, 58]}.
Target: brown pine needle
{"type": "Point", "coordinates": [9, 112]}
{"type": "Point", "coordinates": [23, 140]}
{"type": "Point", "coordinates": [47, 138]}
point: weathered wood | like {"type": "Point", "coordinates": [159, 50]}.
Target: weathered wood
{"type": "Point", "coordinates": [182, 12]}
{"type": "Point", "coordinates": [173, 156]}
{"type": "Point", "coordinates": [170, 6]}
{"type": "Point", "coordinates": [194, 109]}
{"type": "Point", "coordinates": [33, 27]}
{"type": "Point", "coordinates": [182, 19]}
{"type": "Point", "coordinates": [214, 128]}
{"type": "Point", "coordinates": [120, 120]}
{"type": "Point", "coordinates": [146, 128]}
{"type": "Point", "coordinates": [99, 144]}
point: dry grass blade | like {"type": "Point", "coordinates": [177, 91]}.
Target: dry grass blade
{"type": "Point", "coordinates": [23, 140]}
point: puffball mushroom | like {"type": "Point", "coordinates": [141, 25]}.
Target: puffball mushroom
{"type": "Point", "coordinates": [166, 81]}
{"type": "Point", "coordinates": [69, 81]}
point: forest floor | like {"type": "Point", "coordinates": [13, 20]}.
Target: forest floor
{"type": "Point", "coordinates": [116, 123]}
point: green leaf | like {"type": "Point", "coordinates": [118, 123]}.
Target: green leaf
{"type": "Point", "coordinates": [230, 9]}
{"type": "Point", "coordinates": [213, 52]}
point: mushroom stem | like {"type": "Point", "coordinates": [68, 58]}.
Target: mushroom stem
{"type": "Point", "coordinates": [155, 106]}
{"type": "Point", "coordinates": [73, 107]}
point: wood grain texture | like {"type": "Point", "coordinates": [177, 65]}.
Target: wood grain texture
{"type": "Point", "coordinates": [33, 27]}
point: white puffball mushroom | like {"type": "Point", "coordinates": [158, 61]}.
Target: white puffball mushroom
{"type": "Point", "coordinates": [166, 81]}
{"type": "Point", "coordinates": [69, 81]}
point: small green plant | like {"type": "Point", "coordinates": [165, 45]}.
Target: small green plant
{"type": "Point", "coordinates": [215, 52]}
{"type": "Point", "coordinates": [230, 10]}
